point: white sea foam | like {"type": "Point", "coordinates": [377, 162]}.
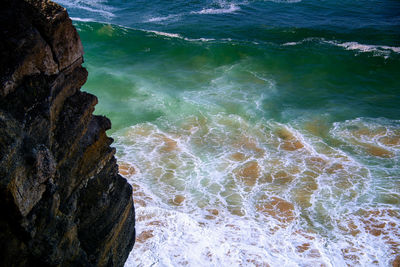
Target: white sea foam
{"type": "Point", "coordinates": [291, 43]}
{"type": "Point", "coordinates": [240, 192]}
{"type": "Point", "coordinates": [166, 34]}
{"type": "Point", "coordinates": [98, 7]}
{"type": "Point", "coordinates": [165, 18]}
{"type": "Point", "coordinates": [365, 48]}
{"type": "Point", "coordinates": [310, 39]}
{"type": "Point", "coordinates": [378, 138]}
{"type": "Point", "coordinates": [176, 35]}
{"type": "Point", "coordinates": [200, 39]}
{"type": "Point", "coordinates": [222, 10]}
{"type": "Point", "coordinates": [83, 19]}
{"type": "Point", "coordinates": [377, 50]}
{"type": "Point", "coordinates": [125, 29]}
{"type": "Point", "coordinates": [206, 220]}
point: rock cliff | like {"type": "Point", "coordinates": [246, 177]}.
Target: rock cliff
{"type": "Point", "coordinates": [62, 202]}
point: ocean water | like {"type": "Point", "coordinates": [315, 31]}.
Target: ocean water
{"type": "Point", "coordinates": [254, 133]}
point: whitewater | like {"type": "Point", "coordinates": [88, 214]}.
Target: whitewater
{"type": "Point", "coordinates": [253, 133]}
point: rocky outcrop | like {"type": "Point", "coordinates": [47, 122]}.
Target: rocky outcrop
{"type": "Point", "coordinates": [62, 202]}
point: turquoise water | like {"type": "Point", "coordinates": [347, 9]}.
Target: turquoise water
{"type": "Point", "coordinates": [254, 133]}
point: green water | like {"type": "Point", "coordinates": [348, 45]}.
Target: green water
{"type": "Point", "coordinates": [292, 144]}
{"type": "Point", "coordinates": [149, 76]}
{"type": "Point", "coordinates": [253, 133]}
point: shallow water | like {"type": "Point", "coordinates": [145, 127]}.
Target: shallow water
{"type": "Point", "coordinates": [254, 133]}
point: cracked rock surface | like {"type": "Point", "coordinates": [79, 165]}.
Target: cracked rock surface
{"type": "Point", "coordinates": [63, 202]}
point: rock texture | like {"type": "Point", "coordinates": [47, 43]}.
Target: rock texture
{"type": "Point", "coordinates": [62, 202]}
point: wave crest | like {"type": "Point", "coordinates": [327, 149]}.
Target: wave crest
{"type": "Point", "coordinates": [223, 10]}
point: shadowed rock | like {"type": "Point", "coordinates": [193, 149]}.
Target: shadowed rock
{"type": "Point", "coordinates": [62, 200]}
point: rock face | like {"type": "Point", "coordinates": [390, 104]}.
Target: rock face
{"type": "Point", "coordinates": [62, 202]}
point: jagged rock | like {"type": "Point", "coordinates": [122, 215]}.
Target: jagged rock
{"type": "Point", "coordinates": [62, 200]}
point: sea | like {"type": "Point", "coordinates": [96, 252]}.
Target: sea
{"type": "Point", "coordinates": [253, 132]}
